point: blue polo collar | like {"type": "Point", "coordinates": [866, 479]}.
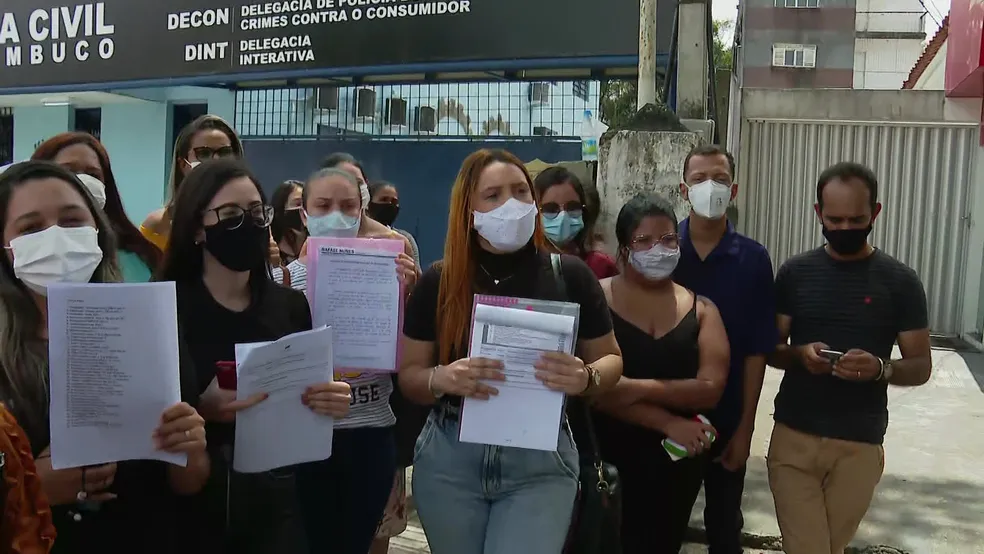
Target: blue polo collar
{"type": "Point", "coordinates": [729, 244]}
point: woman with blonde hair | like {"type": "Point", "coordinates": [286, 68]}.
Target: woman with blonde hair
{"type": "Point", "coordinates": [207, 137]}
{"type": "Point", "coordinates": [473, 498]}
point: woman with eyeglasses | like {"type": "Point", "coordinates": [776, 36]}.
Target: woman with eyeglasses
{"type": "Point", "coordinates": [472, 498]}
{"type": "Point", "coordinates": [53, 233]}
{"type": "Point", "coordinates": [675, 353]}
{"type": "Point", "coordinates": [568, 219]}
{"type": "Point", "coordinates": [83, 154]}
{"type": "Point", "coordinates": [207, 137]}
{"type": "Point", "coordinates": [217, 255]}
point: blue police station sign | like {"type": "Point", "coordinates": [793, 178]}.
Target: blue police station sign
{"type": "Point", "coordinates": [45, 43]}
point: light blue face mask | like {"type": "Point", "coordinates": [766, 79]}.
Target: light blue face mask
{"type": "Point", "coordinates": [657, 263]}
{"type": "Point", "coordinates": [562, 228]}
{"type": "Point", "coordinates": [333, 224]}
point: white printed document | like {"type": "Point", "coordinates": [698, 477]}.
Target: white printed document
{"type": "Point", "coordinates": [281, 431]}
{"type": "Point", "coordinates": [113, 369]}
{"type": "Point", "coordinates": [353, 288]}
{"type": "Point", "coordinates": [525, 413]}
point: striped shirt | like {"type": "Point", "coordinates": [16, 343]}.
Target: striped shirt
{"type": "Point", "coordinates": [370, 391]}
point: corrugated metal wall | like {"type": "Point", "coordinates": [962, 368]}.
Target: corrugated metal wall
{"type": "Point", "coordinates": [925, 187]}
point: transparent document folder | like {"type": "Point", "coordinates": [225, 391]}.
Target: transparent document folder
{"type": "Point", "coordinates": [525, 413]}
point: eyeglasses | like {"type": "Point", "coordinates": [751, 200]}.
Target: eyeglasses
{"type": "Point", "coordinates": [551, 210]}
{"type": "Point", "coordinates": [203, 153]}
{"type": "Point", "coordinates": [233, 216]}
{"type": "Point", "coordinates": [646, 242]}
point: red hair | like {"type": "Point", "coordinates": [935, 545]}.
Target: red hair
{"type": "Point", "coordinates": [454, 298]}
{"type": "Point", "coordinates": [130, 238]}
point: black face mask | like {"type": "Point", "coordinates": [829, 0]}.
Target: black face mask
{"type": "Point", "coordinates": [292, 219]}
{"type": "Point", "coordinates": [384, 213]}
{"type": "Point", "coordinates": [847, 242]}
{"type": "Point", "coordinates": [240, 249]}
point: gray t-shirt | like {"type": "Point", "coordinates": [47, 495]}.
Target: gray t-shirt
{"type": "Point", "coordinates": [861, 304]}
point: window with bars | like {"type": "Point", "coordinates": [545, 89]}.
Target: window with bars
{"type": "Point", "coordinates": [797, 3]}
{"type": "Point", "coordinates": [802, 56]}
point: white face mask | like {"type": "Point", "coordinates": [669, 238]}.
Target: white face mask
{"type": "Point", "coordinates": [96, 188]}
{"type": "Point", "coordinates": [56, 255]}
{"type": "Point", "coordinates": [709, 199]}
{"type": "Point", "coordinates": [657, 263]}
{"type": "Point", "coordinates": [364, 194]}
{"type": "Point", "coordinates": [508, 227]}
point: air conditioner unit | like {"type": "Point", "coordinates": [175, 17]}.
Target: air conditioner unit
{"type": "Point", "coordinates": [365, 103]}
{"type": "Point", "coordinates": [424, 119]}
{"type": "Point", "coordinates": [396, 112]}
{"type": "Point", "coordinates": [328, 98]}
{"type": "Point", "coordinates": [539, 94]}
{"type": "Point", "coordinates": [703, 127]}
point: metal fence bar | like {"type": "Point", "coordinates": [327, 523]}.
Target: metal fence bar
{"type": "Point", "coordinates": [460, 111]}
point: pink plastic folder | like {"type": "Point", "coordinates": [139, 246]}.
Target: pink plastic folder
{"type": "Point", "coordinates": [353, 287]}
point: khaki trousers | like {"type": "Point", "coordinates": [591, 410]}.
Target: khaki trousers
{"type": "Point", "coordinates": [822, 488]}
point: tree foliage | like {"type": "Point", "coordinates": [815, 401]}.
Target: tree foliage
{"type": "Point", "coordinates": [618, 96]}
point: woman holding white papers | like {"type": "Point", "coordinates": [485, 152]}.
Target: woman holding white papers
{"type": "Point", "coordinates": [342, 498]}
{"type": "Point", "coordinates": [52, 232]}
{"type": "Point", "coordinates": [676, 364]}
{"type": "Point", "coordinates": [217, 256]}
{"type": "Point", "coordinates": [473, 498]}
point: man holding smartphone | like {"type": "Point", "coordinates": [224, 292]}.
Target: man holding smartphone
{"type": "Point", "coordinates": [842, 307]}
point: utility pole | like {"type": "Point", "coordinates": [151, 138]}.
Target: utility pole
{"type": "Point", "coordinates": [647, 53]}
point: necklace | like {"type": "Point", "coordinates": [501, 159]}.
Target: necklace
{"type": "Point", "coordinates": [494, 280]}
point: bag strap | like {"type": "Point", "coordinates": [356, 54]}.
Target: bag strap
{"type": "Point", "coordinates": [558, 274]}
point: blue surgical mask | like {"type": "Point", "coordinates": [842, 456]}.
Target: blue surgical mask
{"type": "Point", "coordinates": [563, 227]}
{"type": "Point", "coordinates": [333, 224]}
{"type": "Point", "coordinates": [657, 263]}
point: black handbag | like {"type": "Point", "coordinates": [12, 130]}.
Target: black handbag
{"type": "Point", "coordinates": [597, 520]}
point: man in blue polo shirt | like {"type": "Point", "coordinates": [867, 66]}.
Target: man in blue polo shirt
{"type": "Point", "coordinates": [735, 273]}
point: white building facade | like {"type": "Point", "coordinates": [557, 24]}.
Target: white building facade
{"type": "Point", "coordinates": [890, 37]}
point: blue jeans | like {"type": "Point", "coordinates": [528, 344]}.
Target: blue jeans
{"type": "Point", "coordinates": [343, 498]}
{"type": "Point", "coordinates": [477, 499]}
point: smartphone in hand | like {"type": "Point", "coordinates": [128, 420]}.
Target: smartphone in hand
{"type": "Point", "coordinates": [831, 355]}
{"type": "Point", "coordinates": [225, 375]}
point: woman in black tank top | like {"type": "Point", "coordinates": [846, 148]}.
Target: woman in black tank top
{"type": "Point", "coordinates": [675, 353]}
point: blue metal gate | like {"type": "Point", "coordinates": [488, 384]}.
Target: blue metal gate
{"type": "Point", "coordinates": [423, 170]}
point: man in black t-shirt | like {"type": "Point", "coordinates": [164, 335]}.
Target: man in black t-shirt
{"type": "Point", "coordinates": [842, 307]}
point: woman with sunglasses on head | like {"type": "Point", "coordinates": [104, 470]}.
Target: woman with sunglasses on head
{"type": "Point", "coordinates": [217, 255]}
{"type": "Point", "coordinates": [205, 138]}
{"type": "Point", "coordinates": [568, 219]}
{"type": "Point", "coordinates": [471, 498]}
{"type": "Point", "coordinates": [52, 232]}
{"type": "Point", "coordinates": [676, 354]}
{"type": "Point", "coordinates": [342, 498]}
{"type": "Point", "coordinates": [83, 154]}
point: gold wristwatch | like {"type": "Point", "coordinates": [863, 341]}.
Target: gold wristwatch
{"type": "Point", "coordinates": [594, 378]}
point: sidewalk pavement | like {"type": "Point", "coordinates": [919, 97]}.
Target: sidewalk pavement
{"type": "Point", "coordinates": [931, 496]}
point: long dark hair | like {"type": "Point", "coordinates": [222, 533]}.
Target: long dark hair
{"type": "Point", "coordinates": [557, 175]}
{"type": "Point", "coordinates": [278, 228]}
{"type": "Point", "coordinates": [23, 358]}
{"type": "Point", "coordinates": [129, 237]}
{"type": "Point", "coordinates": [183, 258]}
